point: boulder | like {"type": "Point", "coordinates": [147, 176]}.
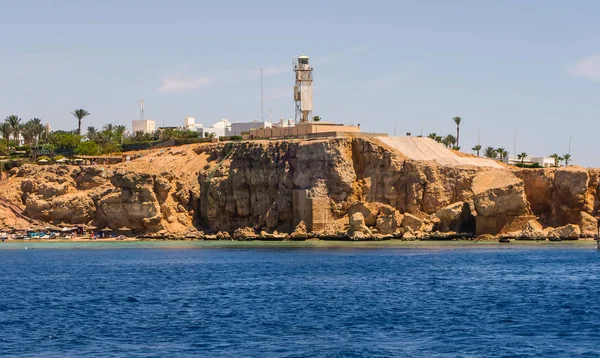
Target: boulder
{"type": "Point", "coordinates": [223, 235]}
{"type": "Point", "coordinates": [533, 230]}
{"type": "Point", "coordinates": [412, 222]}
{"type": "Point", "coordinates": [369, 211]}
{"type": "Point", "coordinates": [243, 234]}
{"type": "Point", "coordinates": [500, 202]}
{"type": "Point", "coordinates": [499, 193]}
{"type": "Point", "coordinates": [570, 231]}
{"type": "Point", "coordinates": [389, 220]}
{"type": "Point", "coordinates": [358, 228]}
{"type": "Point", "coordinates": [90, 177]}
{"type": "Point", "coordinates": [300, 231]}
{"type": "Point", "coordinates": [588, 224]}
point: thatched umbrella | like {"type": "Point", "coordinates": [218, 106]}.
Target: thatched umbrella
{"type": "Point", "coordinates": [106, 229]}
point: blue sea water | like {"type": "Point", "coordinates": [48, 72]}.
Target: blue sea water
{"type": "Point", "coordinates": [169, 301]}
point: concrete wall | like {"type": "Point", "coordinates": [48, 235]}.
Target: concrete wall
{"type": "Point", "coordinates": [301, 130]}
{"type": "Point", "coordinates": [238, 128]}
{"type": "Point", "coordinates": [314, 211]}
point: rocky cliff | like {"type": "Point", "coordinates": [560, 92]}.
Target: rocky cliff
{"type": "Point", "coordinates": [356, 187]}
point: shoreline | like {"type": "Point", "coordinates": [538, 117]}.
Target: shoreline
{"type": "Point", "coordinates": [307, 244]}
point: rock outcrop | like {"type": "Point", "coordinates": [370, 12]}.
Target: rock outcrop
{"type": "Point", "coordinates": [341, 186]}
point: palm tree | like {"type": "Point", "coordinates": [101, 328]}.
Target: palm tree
{"type": "Point", "coordinates": [476, 148]}
{"type": "Point", "coordinates": [567, 157]}
{"type": "Point", "coordinates": [28, 132]}
{"type": "Point", "coordinates": [80, 114]}
{"type": "Point", "coordinates": [522, 157]}
{"type": "Point", "coordinates": [502, 153]}
{"type": "Point", "coordinates": [556, 159]}
{"type": "Point", "coordinates": [6, 131]}
{"type": "Point", "coordinates": [457, 120]}
{"type": "Point", "coordinates": [15, 124]}
{"type": "Point", "coordinates": [91, 133]}
{"type": "Point", "coordinates": [489, 152]}
{"type": "Point", "coordinates": [119, 133]}
{"type": "Point", "coordinates": [38, 129]}
{"type": "Point", "coordinates": [449, 141]}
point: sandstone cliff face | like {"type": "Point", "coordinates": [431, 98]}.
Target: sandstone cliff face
{"type": "Point", "coordinates": [344, 186]}
{"type": "Point", "coordinates": [563, 196]}
{"type": "Point", "coordinates": [101, 196]}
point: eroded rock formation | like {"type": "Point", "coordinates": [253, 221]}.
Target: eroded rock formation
{"type": "Point", "coordinates": [353, 187]}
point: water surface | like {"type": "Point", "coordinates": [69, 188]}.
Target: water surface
{"type": "Point", "coordinates": [190, 299]}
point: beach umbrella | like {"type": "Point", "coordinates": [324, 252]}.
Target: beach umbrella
{"type": "Point", "coordinates": [106, 229]}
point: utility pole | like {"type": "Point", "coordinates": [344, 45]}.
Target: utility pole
{"type": "Point", "coordinates": [515, 147]}
{"type": "Point", "coordinates": [262, 114]}
{"type": "Point", "coordinates": [394, 130]}
{"type": "Point", "coordinates": [570, 138]}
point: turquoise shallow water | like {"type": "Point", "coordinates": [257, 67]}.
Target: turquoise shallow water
{"type": "Point", "coordinates": [140, 299]}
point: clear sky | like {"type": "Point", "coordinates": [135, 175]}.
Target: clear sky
{"type": "Point", "coordinates": [530, 67]}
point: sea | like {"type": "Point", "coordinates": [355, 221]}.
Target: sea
{"type": "Point", "coordinates": [298, 300]}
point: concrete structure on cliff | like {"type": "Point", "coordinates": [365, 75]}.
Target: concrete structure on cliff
{"type": "Point", "coordinates": [304, 126]}
{"type": "Point", "coordinates": [303, 91]}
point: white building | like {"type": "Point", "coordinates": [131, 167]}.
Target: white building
{"type": "Point", "coordinates": [283, 123]}
{"type": "Point", "coordinates": [239, 127]}
{"type": "Point", "coordinates": [220, 129]}
{"type": "Point", "coordinates": [544, 162]}
{"type": "Point", "coordinates": [190, 124]}
{"type": "Point", "coordinates": [143, 125]}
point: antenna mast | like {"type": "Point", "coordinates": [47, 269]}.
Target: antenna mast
{"type": "Point", "coordinates": [262, 113]}
{"type": "Point", "coordinates": [141, 109]}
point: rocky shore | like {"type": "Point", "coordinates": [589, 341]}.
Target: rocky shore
{"type": "Point", "coordinates": [335, 188]}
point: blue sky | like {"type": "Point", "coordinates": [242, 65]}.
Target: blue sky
{"type": "Point", "coordinates": [530, 67]}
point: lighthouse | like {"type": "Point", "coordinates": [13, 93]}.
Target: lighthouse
{"type": "Point", "coordinates": [303, 90]}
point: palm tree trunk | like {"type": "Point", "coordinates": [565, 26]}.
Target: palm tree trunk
{"type": "Point", "coordinates": [79, 126]}
{"type": "Point", "coordinates": [457, 135]}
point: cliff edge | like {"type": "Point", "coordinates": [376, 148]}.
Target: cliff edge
{"type": "Point", "coordinates": [363, 188]}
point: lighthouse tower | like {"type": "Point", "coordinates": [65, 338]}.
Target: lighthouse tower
{"type": "Point", "coordinates": [303, 91]}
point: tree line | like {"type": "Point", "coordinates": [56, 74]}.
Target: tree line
{"type": "Point", "coordinates": [94, 141]}
{"type": "Point", "coordinates": [452, 142]}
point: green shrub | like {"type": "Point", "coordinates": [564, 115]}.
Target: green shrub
{"type": "Point", "coordinates": [58, 157]}
{"type": "Point", "coordinates": [232, 137]}
{"type": "Point", "coordinates": [139, 145]}
{"type": "Point", "coordinates": [183, 141]}
{"type": "Point", "coordinates": [528, 165]}
{"type": "Point", "coordinates": [87, 148]}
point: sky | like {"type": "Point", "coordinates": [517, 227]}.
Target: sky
{"type": "Point", "coordinates": [510, 67]}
